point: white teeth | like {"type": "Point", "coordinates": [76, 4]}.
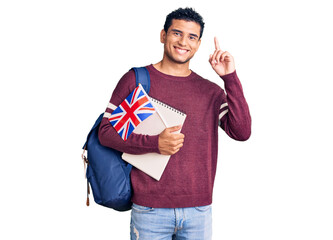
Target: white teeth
{"type": "Point", "coordinates": [181, 51]}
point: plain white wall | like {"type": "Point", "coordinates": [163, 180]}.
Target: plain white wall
{"type": "Point", "coordinates": [59, 63]}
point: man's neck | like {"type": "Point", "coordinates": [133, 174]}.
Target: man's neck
{"type": "Point", "coordinates": [172, 68]}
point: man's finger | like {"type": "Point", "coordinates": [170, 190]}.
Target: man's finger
{"type": "Point", "coordinates": [180, 141]}
{"type": "Point", "coordinates": [179, 146]}
{"type": "Point", "coordinates": [174, 128]}
{"type": "Point", "coordinates": [224, 55]}
{"type": "Point", "coordinates": [214, 59]}
{"type": "Point", "coordinates": [218, 56]}
{"type": "Point", "coordinates": [211, 60]}
{"type": "Point", "coordinates": [217, 45]}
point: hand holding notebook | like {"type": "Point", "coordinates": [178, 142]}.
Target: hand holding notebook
{"type": "Point", "coordinates": [170, 140]}
{"type": "Point", "coordinates": [154, 164]}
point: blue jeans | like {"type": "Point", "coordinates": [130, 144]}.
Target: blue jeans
{"type": "Point", "coordinates": [193, 223]}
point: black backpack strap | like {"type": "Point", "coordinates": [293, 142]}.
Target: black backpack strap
{"type": "Point", "coordinates": [142, 76]}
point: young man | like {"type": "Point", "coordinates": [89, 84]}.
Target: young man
{"type": "Point", "coordinates": [179, 205]}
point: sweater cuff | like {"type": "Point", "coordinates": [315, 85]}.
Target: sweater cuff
{"type": "Point", "coordinates": [153, 142]}
{"type": "Point", "coordinates": [232, 84]}
{"type": "Point", "coordinates": [229, 77]}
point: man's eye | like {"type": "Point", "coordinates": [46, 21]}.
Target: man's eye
{"type": "Point", "coordinates": [177, 33]}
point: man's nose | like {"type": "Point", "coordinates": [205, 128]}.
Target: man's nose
{"type": "Point", "coordinates": [182, 41]}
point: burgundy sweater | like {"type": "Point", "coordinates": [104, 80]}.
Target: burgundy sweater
{"type": "Point", "coordinates": [189, 176]}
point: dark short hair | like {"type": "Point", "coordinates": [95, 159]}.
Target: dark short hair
{"type": "Point", "coordinates": [187, 14]}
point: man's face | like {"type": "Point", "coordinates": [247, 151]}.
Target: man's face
{"type": "Point", "coordinates": [181, 41]}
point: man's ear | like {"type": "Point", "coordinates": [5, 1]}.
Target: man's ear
{"type": "Point", "coordinates": [163, 36]}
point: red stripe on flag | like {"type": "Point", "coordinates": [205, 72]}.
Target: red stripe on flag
{"type": "Point", "coordinates": [147, 108]}
{"type": "Point", "coordinates": [113, 118]}
{"type": "Point", "coordinates": [125, 137]}
{"type": "Point", "coordinates": [133, 96]}
{"type": "Point", "coordinates": [130, 113]}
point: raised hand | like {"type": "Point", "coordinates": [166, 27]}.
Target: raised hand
{"type": "Point", "coordinates": [221, 61]}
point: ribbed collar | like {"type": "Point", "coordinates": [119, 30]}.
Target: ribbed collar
{"type": "Point", "coordinates": [153, 70]}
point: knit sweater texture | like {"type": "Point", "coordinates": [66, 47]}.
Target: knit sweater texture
{"type": "Point", "coordinates": [188, 178]}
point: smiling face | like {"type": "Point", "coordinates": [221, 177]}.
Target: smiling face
{"type": "Point", "coordinates": [181, 41]}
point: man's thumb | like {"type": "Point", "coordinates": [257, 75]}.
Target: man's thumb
{"type": "Point", "coordinates": [175, 128]}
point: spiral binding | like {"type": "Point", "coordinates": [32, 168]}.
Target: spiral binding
{"type": "Point", "coordinates": [167, 106]}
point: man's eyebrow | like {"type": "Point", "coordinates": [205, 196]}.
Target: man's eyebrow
{"type": "Point", "coordinates": [191, 34]}
{"type": "Point", "coordinates": [194, 35]}
{"type": "Point", "coordinates": [176, 30]}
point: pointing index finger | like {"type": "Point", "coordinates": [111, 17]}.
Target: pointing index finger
{"type": "Point", "coordinates": [217, 45]}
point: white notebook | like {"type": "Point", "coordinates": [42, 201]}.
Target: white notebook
{"type": "Point", "coordinates": [154, 164]}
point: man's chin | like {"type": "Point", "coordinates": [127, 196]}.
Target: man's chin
{"type": "Point", "coordinates": [179, 60]}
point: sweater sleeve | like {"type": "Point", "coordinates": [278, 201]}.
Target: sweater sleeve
{"type": "Point", "coordinates": [108, 136]}
{"type": "Point", "coordinates": [234, 112]}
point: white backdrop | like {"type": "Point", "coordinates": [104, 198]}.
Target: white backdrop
{"type": "Point", "coordinates": [59, 63]}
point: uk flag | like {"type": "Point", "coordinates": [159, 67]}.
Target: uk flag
{"type": "Point", "coordinates": [131, 112]}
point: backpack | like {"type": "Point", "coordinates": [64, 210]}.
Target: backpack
{"type": "Point", "coordinates": [107, 174]}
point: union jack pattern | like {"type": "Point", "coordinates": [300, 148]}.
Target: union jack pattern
{"type": "Point", "coordinates": [131, 112]}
